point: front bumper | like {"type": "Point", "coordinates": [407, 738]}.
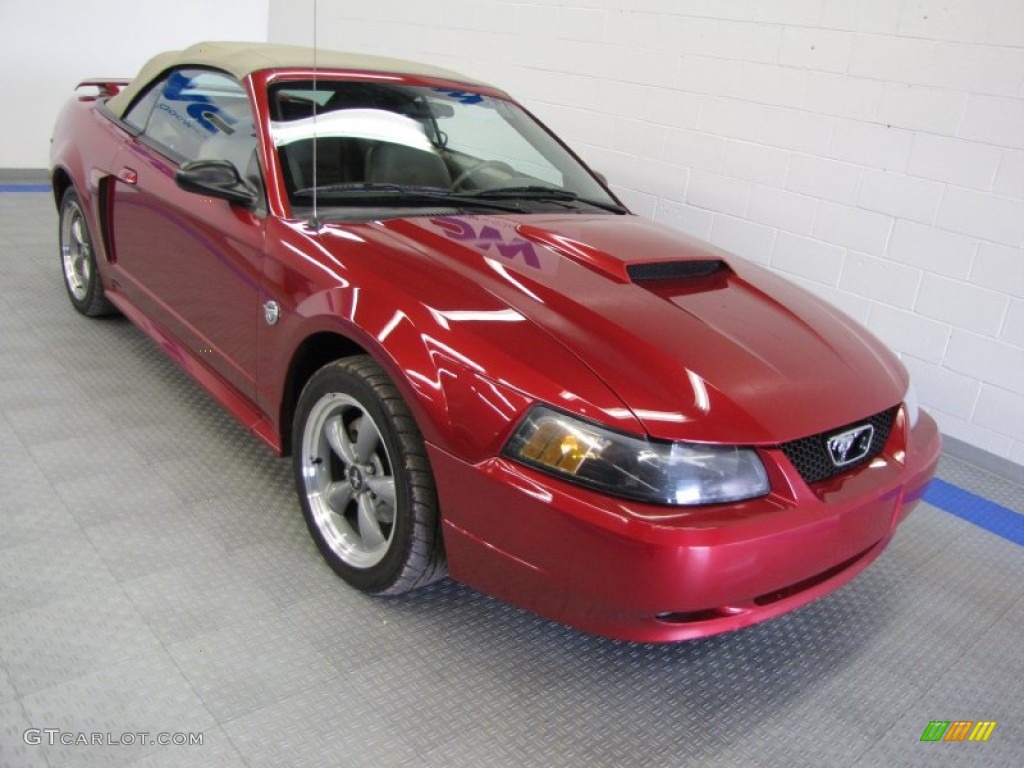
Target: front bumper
{"type": "Point", "coordinates": [653, 574]}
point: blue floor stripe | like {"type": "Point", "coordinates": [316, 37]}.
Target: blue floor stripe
{"type": "Point", "coordinates": [24, 187]}
{"type": "Point", "coordinates": [975, 509]}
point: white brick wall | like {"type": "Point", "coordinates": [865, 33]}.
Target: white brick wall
{"type": "Point", "coordinates": [870, 150]}
{"type": "Point", "coordinates": [958, 162]}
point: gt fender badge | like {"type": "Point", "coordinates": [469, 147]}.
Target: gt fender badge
{"type": "Point", "coordinates": [851, 445]}
{"type": "Point", "coordinates": [271, 312]}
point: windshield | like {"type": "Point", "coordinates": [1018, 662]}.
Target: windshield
{"type": "Point", "coordinates": [381, 145]}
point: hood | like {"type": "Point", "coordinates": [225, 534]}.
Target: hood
{"type": "Point", "coordinates": [699, 344]}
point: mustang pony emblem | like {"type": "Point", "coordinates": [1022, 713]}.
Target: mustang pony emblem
{"type": "Point", "coordinates": [851, 445]}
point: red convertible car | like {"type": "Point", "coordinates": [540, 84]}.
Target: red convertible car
{"type": "Point", "coordinates": [480, 362]}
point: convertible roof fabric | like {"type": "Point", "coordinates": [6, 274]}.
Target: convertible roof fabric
{"type": "Point", "coordinates": [241, 59]}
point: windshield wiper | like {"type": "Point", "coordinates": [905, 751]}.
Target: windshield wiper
{"type": "Point", "coordinates": [543, 193]}
{"type": "Point", "coordinates": [370, 193]}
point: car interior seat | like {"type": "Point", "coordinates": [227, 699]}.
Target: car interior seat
{"type": "Point", "coordinates": [339, 160]}
{"type": "Point", "coordinates": [398, 164]}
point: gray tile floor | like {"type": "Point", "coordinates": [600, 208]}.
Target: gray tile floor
{"type": "Point", "coordinates": [156, 576]}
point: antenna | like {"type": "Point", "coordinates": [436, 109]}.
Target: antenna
{"type": "Point", "coordinates": [314, 222]}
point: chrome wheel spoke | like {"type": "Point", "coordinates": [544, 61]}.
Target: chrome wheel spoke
{"type": "Point", "coordinates": [383, 488]}
{"type": "Point", "coordinates": [366, 441]}
{"type": "Point", "coordinates": [76, 231]}
{"type": "Point", "coordinates": [338, 439]}
{"type": "Point", "coordinates": [369, 525]}
{"type": "Point", "coordinates": [338, 495]}
{"type": "Point", "coordinates": [69, 273]}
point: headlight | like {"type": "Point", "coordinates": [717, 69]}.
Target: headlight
{"type": "Point", "coordinates": [635, 467]}
{"type": "Point", "coordinates": [911, 404]}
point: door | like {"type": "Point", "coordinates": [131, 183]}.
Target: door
{"type": "Point", "coordinates": [191, 263]}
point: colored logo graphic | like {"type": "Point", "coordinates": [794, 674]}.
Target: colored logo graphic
{"type": "Point", "coordinates": [462, 96]}
{"type": "Point", "coordinates": [958, 730]}
{"type": "Point", "coordinates": [199, 108]}
{"type": "Point", "coordinates": [508, 244]}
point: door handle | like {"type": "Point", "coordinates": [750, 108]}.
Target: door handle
{"type": "Point", "coordinates": [128, 175]}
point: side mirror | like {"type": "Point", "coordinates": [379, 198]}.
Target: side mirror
{"type": "Point", "coordinates": [216, 178]}
{"type": "Point", "coordinates": [601, 177]}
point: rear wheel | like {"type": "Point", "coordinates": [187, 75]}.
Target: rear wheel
{"type": "Point", "coordinates": [78, 260]}
{"type": "Point", "coordinates": [364, 480]}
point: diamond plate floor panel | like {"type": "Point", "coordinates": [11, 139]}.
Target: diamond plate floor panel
{"type": "Point", "coordinates": [156, 575]}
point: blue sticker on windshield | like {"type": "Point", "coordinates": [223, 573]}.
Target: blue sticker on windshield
{"type": "Point", "coordinates": [463, 97]}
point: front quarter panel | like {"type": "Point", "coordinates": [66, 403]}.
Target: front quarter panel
{"type": "Point", "coordinates": [467, 364]}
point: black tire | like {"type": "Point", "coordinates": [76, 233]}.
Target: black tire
{"type": "Point", "coordinates": [364, 480]}
{"type": "Point", "coordinates": [78, 259]}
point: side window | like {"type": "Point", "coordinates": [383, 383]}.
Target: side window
{"type": "Point", "coordinates": [138, 115]}
{"type": "Point", "coordinates": [201, 115]}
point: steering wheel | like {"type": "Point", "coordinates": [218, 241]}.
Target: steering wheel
{"type": "Point", "coordinates": [463, 177]}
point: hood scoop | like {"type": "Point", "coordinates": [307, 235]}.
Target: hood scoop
{"type": "Point", "coordinates": [616, 268]}
{"type": "Point", "coordinates": [673, 270]}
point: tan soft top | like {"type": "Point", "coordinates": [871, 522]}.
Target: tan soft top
{"type": "Point", "coordinates": [241, 59]}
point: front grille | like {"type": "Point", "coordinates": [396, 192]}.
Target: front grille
{"type": "Point", "coordinates": [673, 270]}
{"type": "Point", "coordinates": [810, 455]}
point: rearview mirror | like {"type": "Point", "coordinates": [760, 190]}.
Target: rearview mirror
{"type": "Point", "coordinates": [216, 178]}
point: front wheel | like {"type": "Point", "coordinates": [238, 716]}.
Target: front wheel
{"type": "Point", "coordinates": [78, 260]}
{"type": "Point", "coordinates": [364, 479]}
